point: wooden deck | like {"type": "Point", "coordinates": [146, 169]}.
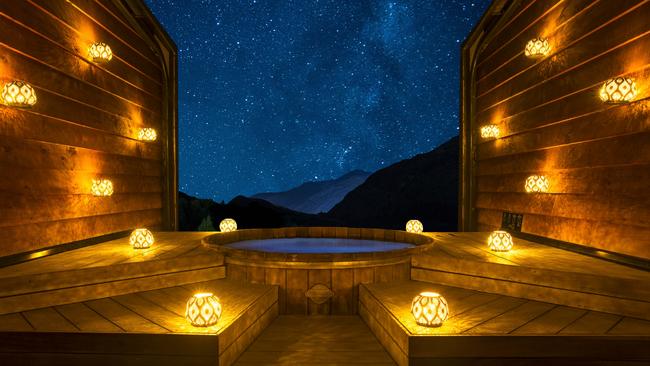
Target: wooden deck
{"type": "Point", "coordinates": [316, 340]}
{"type": "Point", "coordinates": [483, 325]}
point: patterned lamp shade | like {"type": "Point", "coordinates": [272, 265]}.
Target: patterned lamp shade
{"type": "Point", "coordinates": [500, 241]}
{"type": "Point", "coordinates": [102, 187]}
{"type": "Point", "coordinates": [490, 131]}
{"type": "Point", "coordinates": [429, 309]}
{"type": "Point", "coordinates": [536, 184]}
{"type": "Point", "coordinates": [618, 90]}
{"type": "Point", "coordinates": [18, 94]}
{"type": "Point", "coordinates": [227, 225]}
{"type": "Point", "coordinates": [147, 134]}
{"type": "Point", "coordinates": [537, 47]}
{"type": "Point", "coordinates": [203, 310]}
{"type": "Point", "coordinates": [414, 226]}
{"type": "Point", "coordinates": [100, 52]}
{"type": "Point", "coordinates": [141, 239]}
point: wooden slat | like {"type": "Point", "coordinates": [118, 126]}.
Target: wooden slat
{"type": "Point", "coordinates": [551, 322]}
{"type": "Point", "coordinates": [278, 276]}
{"type": "Point", "coordinates": [297, 285]}
{"type": "Point", "coordinates": [319, 277]}
{"type": "Point", "coordinates": [631, 326]}
{"type": "Point", "coordinates": [14, 323]}
{"type": "Point", "coordinates": [47, 319]}
{"type": "Point", "coordinates": [86, 319]}
{"type": "Point", "coordinates": [508, 321]}
{"type": "Point", "coordinates": [592, 323]}
{"type": "Point", "coordinates": [342, 286]}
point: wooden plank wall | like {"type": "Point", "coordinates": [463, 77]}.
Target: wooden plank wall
{"type": "Point", "coordinates": [552, 122]}
{"type": "Point", "coordinates": [84, 125]}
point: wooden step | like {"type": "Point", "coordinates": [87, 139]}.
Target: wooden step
{"type": "Point", "coordinates": [499, 330]}
{"type": "Point", "coordinates": [535, 272]}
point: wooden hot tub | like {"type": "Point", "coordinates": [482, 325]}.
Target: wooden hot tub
{"type": "Point", "coordinates": [318, 283]}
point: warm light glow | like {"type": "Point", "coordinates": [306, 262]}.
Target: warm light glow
{"type": "Point", "coordinates": [536, 184]}
{"type": "Point", "coordinates": [141, 239]}
{"type": "Point", "coordinates": [537, 47]}
{"type": "Point", "coordinates": [147, 134]}
{"type": "Point", "coordinates": [100, 52]}
{"type": "Point", "coordinates": [500, 241]}
{"type": "Point", "coordinates": [414, 226]}
{"type": "Point", "coordinates": [490, 131]}
{"type": "Point", "coordinates": [18, 94]}
{"type": "Point", "coordinates": [102, 187]}
{"type": "Point", "coordinates": [618, 90]}
{"type": "Point", "coordinates": [227, 225]}
{"type": "Point", "coordinates": [203, 310]}
{"type": "Point", "coordinates": [429, 309]}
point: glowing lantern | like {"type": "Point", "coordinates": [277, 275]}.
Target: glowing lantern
{"type": "Point", "coordinates": [141, 239]}
{"type": "Point", "coordinates": [490, 131]}
{"type": "Point", "coordinates": [429, 309]}
{"type": "Point", "coordinates": [537, 47]}
{"type": "Point", "coordinates": [536, 184]}
{"type": "Point", "coordinates": [500, 241]}
{"type": "Point", "coordinates": [203, 310]}
{"type": "Point", "coordinates": [618, 90]}
{"type": "Point", "coordinates": [227, 225]}
{"type": "Point", "coordinates": [414, 226]}
{"type": "Point", "coordinates": [18, 94]}
{"type": "Point", "coordinates": [100, 52]}
{"type": "Point", "coordinates": [102, 187]}
{"type": "Point", "coordinates": [147, 134]}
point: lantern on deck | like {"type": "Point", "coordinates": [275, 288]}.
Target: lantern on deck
{"type": "Point", "coordinates": [102, 187]}
{"type": "Point", "coordinates": [429, 309]}
{"type": "Point", "coordinates": [618, 90]}
{"type": "Point", "coordinates": [537, 47]}
{"type": "Point", "coordinates": [500, 241]}
{"type": "Point", "coordinates": [100, 52]}
{"type": "Point", "coordinates": [414, 226]}
{"type": "Point", "coordinates": [227, 225]}
{"type": "Point", "coordinates": [141, 239]}
{"type": "Point", "coordinates": [490, 131]}
{"type": "Point", "coordinates": [536, 184]}
{"type": "Point", "coordinates": [18, 94]}
{"type": "Point", "coordinates": [203, 310]}
{"type": "Point", "coordinates": [147, 134]}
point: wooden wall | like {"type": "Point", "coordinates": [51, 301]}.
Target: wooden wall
{"type": "Point", "coordinates": [83, 126]}
{"type": "Point", "coordinates": [596, 155]}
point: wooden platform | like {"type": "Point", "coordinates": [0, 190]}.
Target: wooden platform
{"type": "Point", "coordinates": [108, 269]}
{"type": "Point", "coordinates": [535, 272]}
{"type": "Point", "coordinates": [316, 340]}
{"type": "Point", "coordinates": [499, 329]}
{"type": "Point", "coordinates": [139, 328]}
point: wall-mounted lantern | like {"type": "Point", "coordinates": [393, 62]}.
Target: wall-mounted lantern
{"type": "Point", "coordinates": [203, 310]}
{"type": "Point", "coordinates": [618, 90]}
{"type": "Point", "coordinates": [147, 134]}
{"type": "Point", "coordinates": [227, 225]}
{"type": "Point", "coordinates": [18, 94]}
{"type": "Point", "coordinates": [429, 309]}
{"type": "Point", "coordinates": [536, 184]}
{"type": "Point", "coordinates": [102, 187]}
{"type": "Point", "coordinates": [500, 241]}
{"type": "Point", "coordinates": [100, 52]}
{"type": "Point", "coordinates": [537, 47]}
{"type": "Point", "coordinates": [141, 238]}
{"type": "Point", "coordinates": [490, 132]}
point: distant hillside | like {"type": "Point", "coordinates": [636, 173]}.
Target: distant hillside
{"type": "Point", "coordinates": [423, 187]}
{"type": "Point", "coordinates": [248, 212]}
{"type": "Point", "coordinates": [316, 197]}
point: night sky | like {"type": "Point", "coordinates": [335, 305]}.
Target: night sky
{"type": "Point", "coordinates": [275, 93]}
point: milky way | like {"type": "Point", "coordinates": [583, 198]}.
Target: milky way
{"type": "Point", "coordinates": [276, 93]}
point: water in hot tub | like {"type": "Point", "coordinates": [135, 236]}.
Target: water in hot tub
{"type": "Point", "coordinates": [318, 245]}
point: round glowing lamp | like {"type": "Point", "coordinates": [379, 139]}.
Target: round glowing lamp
{"type": "Point", "coordinates": [537, 47]}
{"type": "Point", "coordinates": [490, 131]}
{"type": "Point", "coordinates": [618, 90]}
{"type": "Point", "coordinates": [141, 239]}
{"type": "Point", "coordinates": [100, 52]}
{"type": "Point", "coordinates": [429, 309]}
{"type": "Point", "coordinates": [18, 94]}
{"type": "Point", "coordinates": [203, 310]}
{"type": "Point", "coordinates": [102, 187]}
{"type": "Point", "coordinates": [500, 241]}
{"type": "Point", "coordinates": [414, 226]}
{"type": "Point", "coordinates": [536, 184]}
{"type": "Point", "coordinates": [147, 134]}
{"type": "Point", "coordinates": [227, 225]}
